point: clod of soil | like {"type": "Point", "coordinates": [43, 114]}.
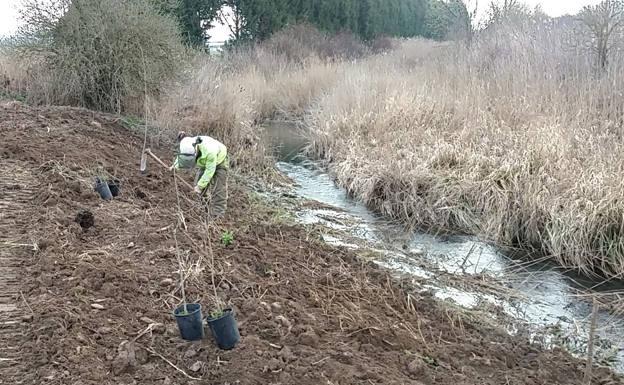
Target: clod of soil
{"type": "Point", "coordinates": [309, 339]}
{"type": "Point", "coordinates": [416, 367]}
{"type": "Point", "coordinates": [126, 358]}
{"type": "Point", "coordinates": [140, 194]}
{"type": "Point", "coordinates": [85, 219]}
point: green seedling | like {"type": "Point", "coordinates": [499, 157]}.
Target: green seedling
{"type": "Point", "coordinates": [131, 122]}
{"type": "Point", "coordinates": [217, 313]}
{"type": "Point", "coordinates": [227, 238]}
{"type": "Point", "coordinates": [430, 361]}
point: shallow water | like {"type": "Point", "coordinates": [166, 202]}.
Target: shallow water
{"type": "Point", "coordinates": [537, 293]}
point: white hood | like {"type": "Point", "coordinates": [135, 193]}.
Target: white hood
{"type": "Point", "coordinates": [187, 146]}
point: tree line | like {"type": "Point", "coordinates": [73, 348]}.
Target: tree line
{"type": "Point", "coordinates": [258, 19]}
{"type": "Point", "coordinates": [105, 54]}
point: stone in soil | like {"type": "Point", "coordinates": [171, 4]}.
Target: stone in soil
{"type": "Point", "coordinates": [309, 339]}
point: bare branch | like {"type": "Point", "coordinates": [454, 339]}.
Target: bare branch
{"type": "Point", "coordinates": [602, 22]}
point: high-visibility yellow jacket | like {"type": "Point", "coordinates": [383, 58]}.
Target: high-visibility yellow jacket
{"type": "Point", "coordinates": [211, 153]}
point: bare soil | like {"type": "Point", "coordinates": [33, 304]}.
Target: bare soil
{"type": "Point", "coordinates": [102, 295]}
{"type": "Point", "coordinates": [15, 196]}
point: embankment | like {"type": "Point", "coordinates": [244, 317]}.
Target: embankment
{"type": "Point", "coordinates": [97, 300]}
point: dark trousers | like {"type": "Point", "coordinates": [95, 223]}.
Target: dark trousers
{"type": "Point", "coordinates": [218, 189]}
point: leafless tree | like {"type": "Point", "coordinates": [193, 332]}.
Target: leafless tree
{"type": "Point", "coordinates": [603, 24]}
{"type": "Point", "coordinates": [507, 10]}
{"type": "Point", "coordinates": [39, 18]}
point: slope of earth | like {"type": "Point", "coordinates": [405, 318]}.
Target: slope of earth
{"type": "Point", "coordinates": [102, 297]}
{"type": "Point", "coordinates": [16, 189]}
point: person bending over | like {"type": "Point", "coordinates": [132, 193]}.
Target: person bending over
{"type": "Point", "coordinates": [210, 157]}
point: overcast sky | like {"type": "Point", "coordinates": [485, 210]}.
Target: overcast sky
{"type": "Point", "coordinates": [8, 13]}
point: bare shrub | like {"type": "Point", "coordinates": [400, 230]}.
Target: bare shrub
{"type": "Point", "coordinates": [297, 42]}
{"type": "Point", "coordinates": [345, 45]}
{"type": "Point", "coordinates": [104, 54]}
{"type": "Point", "coordinates": [382, 44]}
{"type": "Point", "coordinates": [301, 42]}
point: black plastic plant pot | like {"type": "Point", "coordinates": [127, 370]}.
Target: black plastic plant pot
{"type": "Point", "coordinates": [103, 189]}
{"type": "Point", "coordinates": [190, 322]}
{"type": "Point", "coordinates": [115, 187]}
{"type": "Point", "coordinates": [225, 330]}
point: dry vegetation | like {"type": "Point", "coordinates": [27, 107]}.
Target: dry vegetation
{"type": "Point", "coordinates": [13, 76]}
{"type": "Point", "coordinates": [516, 139]}
{"type": "Point", "coordinates": [230, 97]}
{"type": "Point", "coordinates": [105, 55]}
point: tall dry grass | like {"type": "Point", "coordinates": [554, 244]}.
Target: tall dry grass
{"type": "Point", "coordinates": [13, 74]}
{"type": "Point", "coordinates": [231, 97]}
{"type": "Point", "coordinates": [517, 140]}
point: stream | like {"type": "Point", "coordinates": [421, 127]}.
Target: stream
{"type": "Point", "coordinates": [551, 305]}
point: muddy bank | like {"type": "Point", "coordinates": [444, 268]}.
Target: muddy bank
{"type": "Point", "coordinates": [309, 313]}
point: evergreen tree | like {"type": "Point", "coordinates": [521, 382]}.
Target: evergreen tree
{"type": "Point", "coordinates": [363, 15]}
{"type": "Point", "coordinates": [448, 19]}
{"type": "Point", "coordinates": [259, 19]}
{"type": "Point", "coordinates": [194, 17]}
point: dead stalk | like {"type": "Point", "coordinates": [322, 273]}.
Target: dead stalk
{"type": "Point", "coordinates": [177, 246]}
{"type": "Point", "coordinates": [26, 303]}
{"type": "Point", "coordinates": [172, 364]}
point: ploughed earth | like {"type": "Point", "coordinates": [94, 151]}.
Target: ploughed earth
{"type": "Point", "coordinates": [88, 286]}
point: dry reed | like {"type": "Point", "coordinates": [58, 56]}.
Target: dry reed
{"type": "Point", "coordinates": [516, 140]}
